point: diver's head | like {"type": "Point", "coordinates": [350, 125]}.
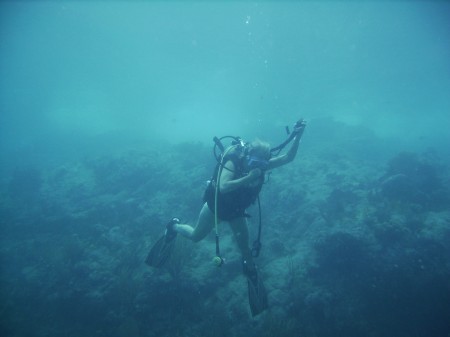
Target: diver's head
{"type": "Point", "coordinates": [258, 155]}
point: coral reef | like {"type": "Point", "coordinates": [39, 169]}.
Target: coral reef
{"type": "Point", "coordinates": [349, 249]}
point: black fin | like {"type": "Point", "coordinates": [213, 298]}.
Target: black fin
{"type": "Point", "coordinates": [257, 295]}
{"type": "Point", "coordinates": [160, 252]}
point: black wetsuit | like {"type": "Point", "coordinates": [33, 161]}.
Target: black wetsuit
{"type": "Point", "coordinates": [233, 204]}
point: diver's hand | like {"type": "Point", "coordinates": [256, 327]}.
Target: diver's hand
{"type": "Point", "coordinates": [299, 126]}
{"type": "Point", "coordinates": [254, 174]}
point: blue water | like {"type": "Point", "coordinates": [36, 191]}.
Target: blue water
{"type": "Point", "coordinates": [107, 111]}
{"type": "Point", "coordinates": [152, 68]}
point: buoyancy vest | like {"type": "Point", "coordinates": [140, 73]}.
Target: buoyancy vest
{"type": "Point", "coordinates": [232, 205]}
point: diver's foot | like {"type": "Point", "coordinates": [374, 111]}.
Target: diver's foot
{"type": "Point", "coordinates": [171, 233]}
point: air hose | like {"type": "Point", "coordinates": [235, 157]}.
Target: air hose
{"type": "Point", "coordinates": [218, 259]}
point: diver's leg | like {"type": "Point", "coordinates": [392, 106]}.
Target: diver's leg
{"type": "Point", "coordinates": [205, 224]}
{"type": "Point", "coordinates": [257, 294]}
{"type": "Point", "coordinates": [240, 230]}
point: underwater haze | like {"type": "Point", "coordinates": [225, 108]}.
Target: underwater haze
{"type": "Point", "coordinates": [191, 70]}
{"type": "Point", "coordinates": [107, 114]}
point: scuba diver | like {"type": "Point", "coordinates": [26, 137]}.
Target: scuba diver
{"type": "Point", "coordinates": [235, 185]}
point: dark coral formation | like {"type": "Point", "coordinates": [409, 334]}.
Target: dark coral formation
{"type": "Point", "coordinates": [412, 179]}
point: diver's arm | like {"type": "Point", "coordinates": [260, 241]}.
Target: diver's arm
{"type": "Point", "coordinates": [228, 184]}
{"type": "Point", "coordinates": [287, 157]}
{"type": "Point", "coordinates": [290, 155]}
